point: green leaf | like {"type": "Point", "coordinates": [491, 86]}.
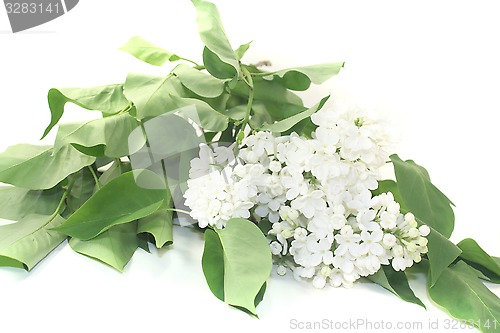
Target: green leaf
{"type": "Point", "coordinates": [159, 225]}
{"type": "Point", "coordinates": [143, 242]}
{"type": "Point", "coordinates": [234, 276]}
{"type": "Point", "coordinates": [300, 78]}
{"type": "Point", "coordinates": [16, 203]}
{"type": "Point", "coordinates": [422, 198]}
{"type": "Point", "coordinates": [460, 291]}
{"type": "Point", "coordinates": [198, 82]}
{"type": "Point", "coordinates": [286, 124]}
{"type": "Point", "coordinates": [395, 282]}
{"type": "Point", "coordinates": [82, 190]}
{"type": "Point", "coordinates": [151, 94]}
{"type": "Point", "coordinates": [268, 91]}
{"type": "Point", "coordinates": [27, 242]}
{"type": "Point", "coordinates": [112, 132]}
{"type": "Point", "coordinates": [107, 99]}
{"type": "Point", "coordinates": [129, 197]}
{"type": "Point", "coordinates": [281, 111]}
{"type": "Point", "coordinates": [241, 50]}
{"type": "Point", "coordinates": [475, 256]}
{"type": "Point", "coordinates": [114, 247]}
{"type": "Point", "coordinates": [213, 263]}
{"type": "Point", "coordinates": [216, 67]}
{"type": "Point", "coordinates": [22, 165]}
{"type": "Point", "coordinates": [148, 52]}
{"type": "Point", "coordinates": [115, 170]}
{"type": "Point", "coordinates": [201, 113]}
{"type": "Point", "coordinates": [442, 252]}
{"type": "Point", "coordinates": [213, 35]}
{"type": "Point", "coordinates": [260, 114]}
{"type": "Point", "coordinates": [265, 226]}
{"type": "Point", "coordinates": [237, 112]}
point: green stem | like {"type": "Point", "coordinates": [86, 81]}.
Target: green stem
{"type": "Point", "coordinates": [249, 81]}
{"type": "Point", "coordinates": [151, 156]}
{"type": "Point", "coordinates": [96, 179]}
{"type": "Point", "coordinates": [177, 210]}
{"type": "Point", "coordinates": [264, 74]}
{"type": "Point", "coordinates": [63, 199]}
{"type": "Point", "coordinates": [189, 60]}
{"type": "Point", "coordinates": [119, 163]}
{"type": "Point", "coordinates": [127, 108]}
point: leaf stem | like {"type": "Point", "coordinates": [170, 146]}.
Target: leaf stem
{"type": "Point", "coordinates": [96, 179]}
{"type": "Point", "coordinates": [63, 199]}
{"type": "Point", "coordinates": [189, 60]}
{"type": "Point", "coordinates": [127, 108]}
{"type": "Point", "coordinates": [177, 210]}
{"type": "Point", "coordinates": [249, 81]}
{"type": "Point", "coordinates": [264, 73]}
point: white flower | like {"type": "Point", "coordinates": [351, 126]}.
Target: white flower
{"type": "Point", "coordinates": [371, 242]}
{"type": "Point", "coordinates": [424, 230]}
{"type": "Point", "coordinates": [320, 251]}
{"type": "Point", "coordinates": [309, 203]}
{"type": "Point", "coordinates": [328, 139]}
{"type": "Point", "coordinates": [269, 206]}
{"type": "Point", "coordinates": [224, 155]}
{"type": "Point", "coordinates": [347, 241]}
{"type": "Point", "coordinates": [339, 278]}
{"type": "Point", "coordinates": [276, 248]}
{"type": "Point", "coordinates": [389, 240]}
{"type": "Point", "coordinates": [202, 165]}
{"type": "Point", "coordinates": [261, 143]}
{"type": "Point", "coordinates": [275, 166]}
{"type": "Point", "coordinates": [388, 220]}
{"type": "Point", "coordinates": [293, 180]}
{"type": "Point", "coordinates": [343, 262]}
{"type": "Point", "coordinates": [327, 227]}
{"type": "Point", "coordinates": [281, 270]}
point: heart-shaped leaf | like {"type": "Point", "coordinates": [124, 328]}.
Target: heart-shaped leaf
{"type": "Point", "coordinates": [148, 52]}
{"type": "Point", "coordinates": [111, 132]}
{"type": "Point", "coordinates": [198, 82]}
{"type": "Point", "coordinates": [442, 253]}
{"type": "Point", "coordinates": [21, 165]}
{"type": "Point", "coordinates": [108, 99]}
{"type": "Point", "coordinates": [151, 94]}
{"type": "Point", "coordinates": [475, 256]}
{"type": "Point", "coordinates": [286, 124]}
{"type": "Point", "coordinates": [300, 78]}
{"type": "Point", "coordinates": [234, 276]}
{"type": "Point", "coordinates": [268, 91]}
{"type": "Point", "coordinates": [201, 113]}
{"type": "Point", "coordinates": [140, 193]}
{"type": "Point", "coordinates": [159, 225]}
{"type": "Point", "coordinates": [114, 247]}
{"type": "Point", "coordinates": [214, 37]}
{"type": "Point", "coordinates": [27, 242]}
{"type": "Point", "coordinates": [241, 50]}
{"type": "Point", "coordinates": [422, 198]}
{"type": "Point", "coordinates": [16, 203]}
{"type": "Point", "coordinates": [82, 190]}
{"type": "Point", "coordinates": [460, 291]}
{"type": "Point", "coordinates": [395, 282]}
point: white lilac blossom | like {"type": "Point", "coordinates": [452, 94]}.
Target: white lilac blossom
{"type": "Point", "coordinates": [327, 227]}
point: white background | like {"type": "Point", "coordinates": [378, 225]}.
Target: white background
{"type": "Point", "coordinates": [431, 68]}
